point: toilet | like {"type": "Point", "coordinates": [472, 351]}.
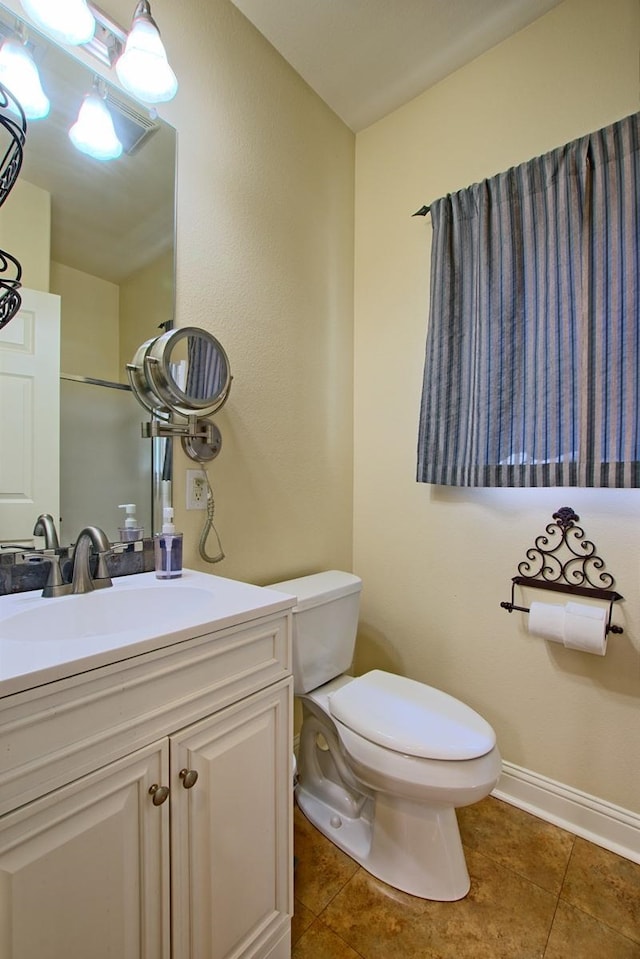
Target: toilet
{"type": "Point", "coordinates": [383, 761]}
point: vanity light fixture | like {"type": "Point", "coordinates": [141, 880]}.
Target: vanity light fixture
{"type": "Point", "coordinates": [143, 68]}
{"type": "Point", "coordinates": [93, 132]}
{"type": "Point", "coordinates": [19, 73]}
{"type": "Point", "coordinates": [68, 21]}
{"type": "Point", "coordinates": [139, 57]}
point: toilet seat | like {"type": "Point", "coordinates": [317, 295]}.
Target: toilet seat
{"type": "Point", "coordinates": [410, 718]}
{"type": "Point", "coordinates": [386, 770]}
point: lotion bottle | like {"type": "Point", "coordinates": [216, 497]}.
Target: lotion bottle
{"type": "Point", "coordinates": [130, 532]}
{"type": "Point", "coordinates": [168, 548]}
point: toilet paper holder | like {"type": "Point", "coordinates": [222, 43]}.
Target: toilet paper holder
{"type": "Point", "coordinates": [562, 560]}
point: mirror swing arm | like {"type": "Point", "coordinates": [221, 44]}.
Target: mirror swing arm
{"type": "Point", "coordinates": [201, 438]}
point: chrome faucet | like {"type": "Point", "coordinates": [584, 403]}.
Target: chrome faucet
{"type": "Point", "coordinates": [81, 581]}
{"type": "Point", "coordinates": [45, 526]}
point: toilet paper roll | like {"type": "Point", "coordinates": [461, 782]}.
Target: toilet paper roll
{"type": "Point", "coordinates": [547, 620]}
{"type": "Point", "coordinates": [585, 628]}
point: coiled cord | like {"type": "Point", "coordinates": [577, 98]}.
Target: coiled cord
{"type": "Point", "coordinates": [208, 527]}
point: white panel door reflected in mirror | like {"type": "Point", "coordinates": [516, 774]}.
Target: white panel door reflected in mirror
{"type": "Point", "coordinates": [30, 416]}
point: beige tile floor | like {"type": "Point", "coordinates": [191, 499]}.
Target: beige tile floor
{"type": "Point", "coordinates": [537, 892]}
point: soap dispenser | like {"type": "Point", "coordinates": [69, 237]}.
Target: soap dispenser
{"type": "Point", "coordinates": [168, 548]}
{"type": "Point", "coordinates": [130, 532]}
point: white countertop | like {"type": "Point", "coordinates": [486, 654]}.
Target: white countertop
{"type": "Point", "coordinates": [34, 649]}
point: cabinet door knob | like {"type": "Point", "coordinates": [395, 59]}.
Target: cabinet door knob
{"type": "Point", "coordinates": [189, 777]}
{"type": "Point", "coordinates": [159, 793]}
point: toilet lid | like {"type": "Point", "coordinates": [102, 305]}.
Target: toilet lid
{"type": "Point", "coordinates": [409, 717]}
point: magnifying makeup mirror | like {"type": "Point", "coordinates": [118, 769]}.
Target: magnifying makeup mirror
{"type": "Point", "coordinates": [189, 371]}
{"type": "Point", "coordinates": [183, 372]}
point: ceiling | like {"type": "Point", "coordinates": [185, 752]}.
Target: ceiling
{"type": "Point", "coordinates": [365, 58]}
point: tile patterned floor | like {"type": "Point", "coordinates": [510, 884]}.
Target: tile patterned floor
{"type": "Point", "coordinates": [537, 892]}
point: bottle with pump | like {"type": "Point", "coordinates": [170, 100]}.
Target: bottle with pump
{"type": "Point", "coordinates": [130, 532]}
{"type": "Point", "coordinates": [168, 548]}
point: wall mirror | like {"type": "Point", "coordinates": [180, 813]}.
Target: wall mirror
{"type": "Point", "coordinates": [98, 235]}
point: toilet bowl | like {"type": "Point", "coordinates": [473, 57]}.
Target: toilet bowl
{"type": "Point", "coordinates": [383, 761]}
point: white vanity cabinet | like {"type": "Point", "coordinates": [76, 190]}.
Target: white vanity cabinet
{"type": "Point", "coordinates": [145, 805]}
{"type": "Point", "coordinates": [230, 831]}
{"type": "Point", "coordinates": [82, 869]}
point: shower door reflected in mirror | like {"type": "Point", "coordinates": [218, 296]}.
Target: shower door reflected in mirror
{"type": "Point", "coordinates": [101, 236]}
{"type": "Point", "coordinates": [98, 481]}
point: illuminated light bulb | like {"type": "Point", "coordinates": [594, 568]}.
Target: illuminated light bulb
{"type": "Point", "coordinates": [68, 21]}
{"type": "Point", "coordinates": [93, 132]}
{"type": "Point", "coordinates": [143, 68]}
{"type": "Point", "coordinates": [20, 75]}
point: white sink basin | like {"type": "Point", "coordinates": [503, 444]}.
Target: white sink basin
{"type": "Point", "coordinates": [109, 612]}
{"type": "Point", "coordinates": [42, 640]}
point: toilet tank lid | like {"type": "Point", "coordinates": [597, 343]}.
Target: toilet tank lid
{"type": "Point", "coordinates": [410, 717]}
{"type": "Point", "coordinates": [319, 588]}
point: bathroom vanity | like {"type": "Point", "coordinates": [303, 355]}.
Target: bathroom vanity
{"type": "Point", "coordinates": [145, 785]}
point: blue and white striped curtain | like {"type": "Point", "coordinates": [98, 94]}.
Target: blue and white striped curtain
{"type": "Point", "coordinates": [207, 370]}
{"type": "Point", "coordinates": [532, 363]}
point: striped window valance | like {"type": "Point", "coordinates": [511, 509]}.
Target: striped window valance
{"type": "Point", "coordinates": [531, 374]}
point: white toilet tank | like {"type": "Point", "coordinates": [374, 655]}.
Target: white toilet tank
{"type": "Point", "coordinates": [325, 623]}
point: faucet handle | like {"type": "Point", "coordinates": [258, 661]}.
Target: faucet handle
{"type": "Point", "coordinates": [102, 577]}
{"type": "Point", "coordinates": [55, 585]}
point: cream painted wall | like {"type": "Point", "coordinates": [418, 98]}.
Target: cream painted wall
{"type": "Point", "coordinates": [25, 232]}
{"type": "Point", "coordinates": [87, 349]}
{"type": "Point", "coordinates": [437, 562]}
{"type": "Point", "coordinates": [265, 262]}
{"type": "Point", "coordinates": [146, 301]}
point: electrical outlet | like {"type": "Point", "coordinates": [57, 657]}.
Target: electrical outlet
{"type": "Point", "coordinates": [196, 489]}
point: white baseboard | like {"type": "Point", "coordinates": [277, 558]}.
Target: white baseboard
{"type": "Point", "coordinates": [587, 816]}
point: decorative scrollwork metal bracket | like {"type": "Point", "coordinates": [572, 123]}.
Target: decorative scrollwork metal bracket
{"type": "Point", "coordinates": [562, 560]}
{"type": "Point", "coordinates": [13, 129]}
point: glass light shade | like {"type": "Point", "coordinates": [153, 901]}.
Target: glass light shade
{"type": "Point", "coordinates": [143, 68]}
{"type": "Point", "coordinates": [68, 21]}
{"type": "Point", "coordinates": [20, 75]}
{"type": "Point", "coordinates": [93, 132]}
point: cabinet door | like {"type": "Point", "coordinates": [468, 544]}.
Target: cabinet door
{"type": "Point", "coordinates": [231, 831]}
{"type": "Point", "coordinates": [84, 870]}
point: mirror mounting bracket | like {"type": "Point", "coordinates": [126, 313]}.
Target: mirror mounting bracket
{"type": "Point", "coordinates": [201, 438]}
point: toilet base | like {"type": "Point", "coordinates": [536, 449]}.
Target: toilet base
{"type": "Point", "coordinates": [353, 836]}
{"type": "Point", "coordinates": [413, 847]}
